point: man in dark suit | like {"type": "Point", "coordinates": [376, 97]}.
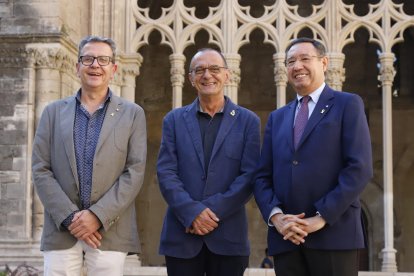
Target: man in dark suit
{"type": "Point", "coordinates": [88, 165]}
{"type": "Point", "coordinates": [208, 154]}
{"type": "Point", "coordinates": [316, 160]}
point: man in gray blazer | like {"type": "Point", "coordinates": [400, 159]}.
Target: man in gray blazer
{"type": "Point", "coordinates": [88, 165]}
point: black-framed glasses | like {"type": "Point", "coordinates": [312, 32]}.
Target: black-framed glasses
{"type": "Point", "coordinates": [89, 60]}
{"type": "Point", "coordinates": [213, 69]}
{"type": "Point", "coordinates": [304, 59]}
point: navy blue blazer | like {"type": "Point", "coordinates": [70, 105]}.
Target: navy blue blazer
{"type": "Point", "coordinates": [327, 172]}
{"type": "Point", "coordinates": [225, 189]}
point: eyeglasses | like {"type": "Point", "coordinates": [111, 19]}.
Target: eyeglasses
{"type": "Point", "coordinates": [213, 69]}
{"type": "Point", "coordinates": [89, 60]}
{"type": "Point", "coordinates": [304, 59]}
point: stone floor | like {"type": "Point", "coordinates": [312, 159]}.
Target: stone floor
{"type": "Point", "coordinates": [133, 267]}
{"type": "Point", "coordinates": [161, 271]}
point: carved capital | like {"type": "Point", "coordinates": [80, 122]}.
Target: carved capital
{"type": "Point", "coordinates": [335, 77]}
{"type": "Point", "coordinates": [53, 58]}
{"type": "Point", "coordinates": [387, 70]}
{"type": "Point", "coordinates": [280, 70]}
{"type": "Point", "coordinates": [177, 76]}
{"type": "Point", "coordinates": [233, 63]}
{"type": "Point", "coordinates": [130, 65]}
{"type": "Point", "coordinates": [280, 73]}
{"type": "Point", "coordinates": [177, 71]}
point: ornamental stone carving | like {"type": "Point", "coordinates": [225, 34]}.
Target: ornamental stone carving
{"type": "Point", "coordinates": [229, 25]}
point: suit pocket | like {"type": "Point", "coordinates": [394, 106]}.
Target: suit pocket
{"type": "Point", "coordinates": [234, 145]}
{"type": "Point", "coordinates": [121, 137]}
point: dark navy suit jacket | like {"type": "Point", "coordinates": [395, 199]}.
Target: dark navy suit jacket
{"type": "Point", "coordinates": [327, 172]}
{"type": "Point", "coordinates": [225, 189]}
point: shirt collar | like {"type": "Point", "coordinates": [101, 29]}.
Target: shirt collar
{"type": "Point", "coordinates": [200, 109]}
{"type": "Point", "coordinates": [107, 99]}
{"type": "Point", "coordinates": [315, 94]}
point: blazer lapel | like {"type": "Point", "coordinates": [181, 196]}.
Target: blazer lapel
{"type": "Point", "coordinates": [231, 112]}
{"type": "Point", "coordinates": [321, 109]}
{"type": "Point", "coordinates": [289, 116]}
{"type": "Point", "coordinates": [190, 117]}
{"type": "Point", "coordinates": [67, 118]}
{"type": "Point", "coordinates": [112, 116]}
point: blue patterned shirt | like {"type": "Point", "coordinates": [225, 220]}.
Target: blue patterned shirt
{"type": "Point", "coordinates": [86, 130]}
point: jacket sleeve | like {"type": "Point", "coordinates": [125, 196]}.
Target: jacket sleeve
{"type": "Point", "coordinates": [55, 200]}
{"type": "Point", "coordinates": [125, 189]}
{"type": "Point", "coordinates": [263, 185]}
{"type": "Point", "coordinates": [357, 159]}
{"type": "Point", "coordinates": [185, 208]}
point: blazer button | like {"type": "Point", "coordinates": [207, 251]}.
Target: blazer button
{"type": "Point", "coordinates": [295, 162]}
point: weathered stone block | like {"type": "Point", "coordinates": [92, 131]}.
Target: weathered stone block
{"type": "Point", "coordinates": [13, 137]}
{"type": "Point", "coordinates": [6, 110]}
{"type": "Point", "coordinates": [9, 177]}
{"type": "Point", "coordinates": [15, 220]}
{"type": "Point", "coordinates": [15, 191]}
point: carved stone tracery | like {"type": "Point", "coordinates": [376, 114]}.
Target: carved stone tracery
{"type": "Point", "coordinates": [230, 24]}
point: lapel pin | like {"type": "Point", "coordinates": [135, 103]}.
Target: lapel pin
{"type": "Point", "coordinates": [112, 114]}
{"type": "Point", "coordinates": [232, 113]}
{"type": "Point", "coordinates": [117, 109]}
{"type": "Point", "coordinates": [322, 111]}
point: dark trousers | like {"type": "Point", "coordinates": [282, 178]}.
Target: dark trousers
{"type": "Point", "coordinates": [312, 262]}
{"type": "Point", "coordinates": [206, 263]}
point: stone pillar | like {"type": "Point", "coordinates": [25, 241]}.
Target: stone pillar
{"type": "Point", "coordinates": [280, 73]}
{"type": "Point", "coordinates": [177, 78]}
{"type": "Point", "coordinates": [47, 89]}
{"type": "Point", "coordinates": [130, 65]}
{"type": "Point", "coordinates": [231, 89]}
{"type": "Point", "coordinates": [335, 74]}
{"type": "Point", "coordinates": [387, 73]}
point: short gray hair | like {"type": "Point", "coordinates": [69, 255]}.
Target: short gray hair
{"type": "Point", "coordinates": [94, 38]}
{"type": "Point", "coordinates": [320, 48]}
{"type": "Point", "coordinates": [202, 50]}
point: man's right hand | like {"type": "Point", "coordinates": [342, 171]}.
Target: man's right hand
{"type": "Point", "coordinates": [93, 240]}
{"type": "Point", "coordinates": [204, 223]}
{"type": "Point", "coordinates": [85, 227]}
{"type": "Point", "coordinates": [291, 227]}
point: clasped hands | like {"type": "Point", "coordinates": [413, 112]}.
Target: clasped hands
{"type": "Point", "coordinates": [204, 223]}
{"type": "Point", "coordinates": [296, 228]}
{"type": "Point", "coordinates": [85, 227]}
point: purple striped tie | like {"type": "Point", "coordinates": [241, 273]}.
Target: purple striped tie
{"type": "Point", "coordinates": [301, 120]}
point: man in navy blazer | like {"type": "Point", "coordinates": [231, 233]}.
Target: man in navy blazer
{"type": "Point", "coordinates": [308, 190]}
{"type": "Point", "coordinates": [207, 159]}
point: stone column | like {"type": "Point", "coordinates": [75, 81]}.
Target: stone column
{"type": "Point", "coordinates": [31, 124]}
{"type": "Point", "coordinates": [387, 73]}
{"type": "Point", "coordinates": [130, 65]}
{"type": "Point", "coordinates": [335, 74]}
{"type": "Point", "coordinates": [280, 73]}
{"type": "Point", "coordinates": [177, 78]}
{"type": "Point", "coordinates": [47, 89]}
{"type": "Point", "coordinates": [231, 89]}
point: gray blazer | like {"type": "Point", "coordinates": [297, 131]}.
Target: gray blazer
{"type": "Point", "coordinates": [118, 173]}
